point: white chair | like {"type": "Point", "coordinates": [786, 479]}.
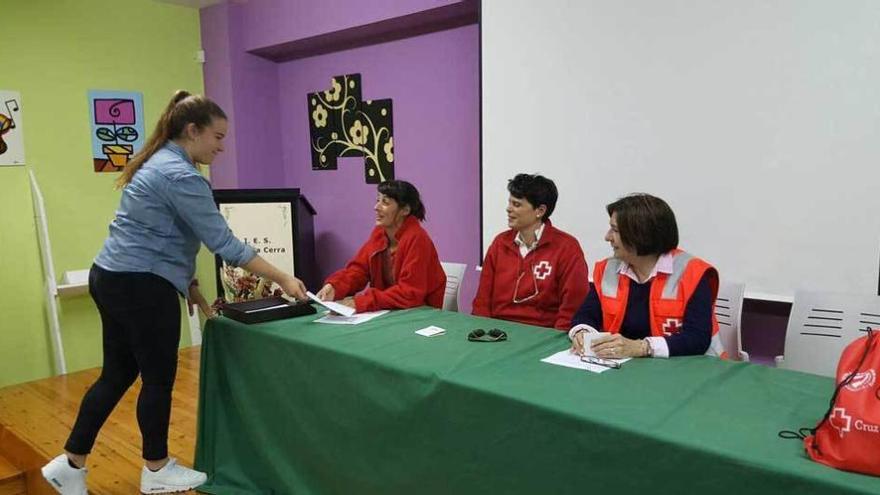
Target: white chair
{"type": "Point", "coordinates": [728, 312]}
{"type": "Point", "coordinates": [454, 274]}
{"type": "Point", "coordinates": [821, 325]}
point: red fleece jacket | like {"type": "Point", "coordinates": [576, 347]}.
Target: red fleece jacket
{"type": "Point", "coordinates": [419, 277]}
{"type": "Point", "coordinates": [556, 267]}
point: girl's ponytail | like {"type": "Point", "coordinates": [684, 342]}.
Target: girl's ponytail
{"type": "Point", "coordinates": [183, 109]}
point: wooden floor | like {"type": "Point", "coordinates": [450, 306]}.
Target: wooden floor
{"type": "Point", "coordinates": [36, 417]}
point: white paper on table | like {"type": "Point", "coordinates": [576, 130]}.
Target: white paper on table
{"type": "Point", "coordinates": [350, 320]}
{"type": "Point", "coordinates": [571, 360]}
{"type": "Point", "coordinates": [332, 306]}
{"type": "Point", "coordinates": [431, 331]}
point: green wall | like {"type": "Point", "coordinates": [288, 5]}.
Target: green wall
{"type": "Point", "coordinates": [24, 342]}
{"type": "Point", "coordinates": [53, 52]}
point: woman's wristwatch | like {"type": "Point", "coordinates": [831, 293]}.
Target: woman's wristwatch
{"type": "Point", "coordinates": [649, 351]}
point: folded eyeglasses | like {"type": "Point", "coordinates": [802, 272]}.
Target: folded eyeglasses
{"type": "Point", "coordinates": [608, 363]}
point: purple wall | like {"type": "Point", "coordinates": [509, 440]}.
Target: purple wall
{"type": "Point", "coordinates": [433, 80]}
{"type": "Point", "coordinates": [763, 329]}
{"type": "Point", "coordinates": [218, 85]}
{"type": "Point", "coordinates": [246, 86]}
{"type": "Point", "coordinates": [258, 136]}
{"type": "Point", "coordinates": [273, 22]}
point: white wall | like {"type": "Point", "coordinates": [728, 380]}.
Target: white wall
{"type": "Point", "coordinates": [756, 120]}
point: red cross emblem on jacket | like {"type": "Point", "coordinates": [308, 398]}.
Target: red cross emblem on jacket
{"type": "Point", "coordinates": [542, 270]}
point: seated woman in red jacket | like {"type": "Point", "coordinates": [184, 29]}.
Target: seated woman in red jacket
{"type": "Point", "coordinates": [533, 273]}
{"type": "Point", "coordinates": [654, 299]}
{"type": "Point", "coordinates": [399, 260]}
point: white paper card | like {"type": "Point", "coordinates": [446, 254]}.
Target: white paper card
{"type": "Point", "coordinates": [431, 331]}
{"type": "Point", "coordinates": [332, 306]}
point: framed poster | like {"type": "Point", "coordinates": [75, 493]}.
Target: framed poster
{"type": "Point", "coordinates": [117, 128]}
{"type": "Point", "coordinates": [11, 128]}
{"type": "Point", "coordinates": [264, 219]}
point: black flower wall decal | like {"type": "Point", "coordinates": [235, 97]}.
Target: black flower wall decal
{"type": "Point", "coordinates": [342, 124]}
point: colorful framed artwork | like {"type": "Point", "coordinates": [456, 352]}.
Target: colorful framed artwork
{"type": "Point", "coordinates": [11, 128]}
{"type": "Point", "coordinates": [117, 128]}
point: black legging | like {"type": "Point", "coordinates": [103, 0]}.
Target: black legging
{"type": "Point", "coordinates": [140, 314]}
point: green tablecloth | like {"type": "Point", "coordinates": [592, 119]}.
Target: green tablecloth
{"type": "Point", "coordinates": [294, 407]}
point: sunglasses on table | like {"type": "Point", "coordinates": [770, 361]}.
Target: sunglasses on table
{"type": "Point", "coordinates": [493, 335]}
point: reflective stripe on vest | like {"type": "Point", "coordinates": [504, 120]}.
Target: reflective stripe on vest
{"type": "Point", "coordinates": [611, 277]}
{"type": "Point", "coordinates": [679, 263]}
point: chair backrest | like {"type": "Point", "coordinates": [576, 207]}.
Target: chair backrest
{"type": "Point", "coordinates": [728, 312]}
{"type": "Point", "coordinates": [821, 325]}
{"type": "Point", "coordinates": [454, 274]}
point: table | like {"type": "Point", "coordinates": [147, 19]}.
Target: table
{"type": "Point", "coordinates": [295, 406]}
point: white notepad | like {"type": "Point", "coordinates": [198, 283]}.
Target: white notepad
{"type": "Point", "coordinates": [431, 331]}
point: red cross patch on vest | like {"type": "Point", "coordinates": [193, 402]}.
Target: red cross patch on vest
{"type": "Point", "coordinates": [672, 326]}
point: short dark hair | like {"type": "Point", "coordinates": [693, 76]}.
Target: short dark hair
{"type": "Point", "coordinates": [645, 223]}
{"type": "Point", "coordinates": [536, 189]}
{"type": "Point", "coordinates": [405, 194]}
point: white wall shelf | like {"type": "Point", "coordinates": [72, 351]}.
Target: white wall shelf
{"type": "Point", "coordinates": [74, 283]}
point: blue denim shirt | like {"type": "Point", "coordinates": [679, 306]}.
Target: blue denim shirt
{"type": "Point", "coordinates": [166, 211]}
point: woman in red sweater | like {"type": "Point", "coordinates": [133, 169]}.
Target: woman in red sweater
{"type": "Point", "coordinates": [399, 260]}
{"type": "Point", "coordinates": [533, 273]}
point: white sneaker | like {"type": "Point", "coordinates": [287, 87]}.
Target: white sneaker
{"type": "Point", "coordinates": [63, 478]}
{"type": "Point", "coordinates": [171, 478]}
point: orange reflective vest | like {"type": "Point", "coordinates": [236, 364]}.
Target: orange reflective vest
{"type": "Point", "coordinates": [669, 296]}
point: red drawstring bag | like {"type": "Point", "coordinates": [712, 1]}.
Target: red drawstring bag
{"type": "Point", "coordinates": [848, 437]}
